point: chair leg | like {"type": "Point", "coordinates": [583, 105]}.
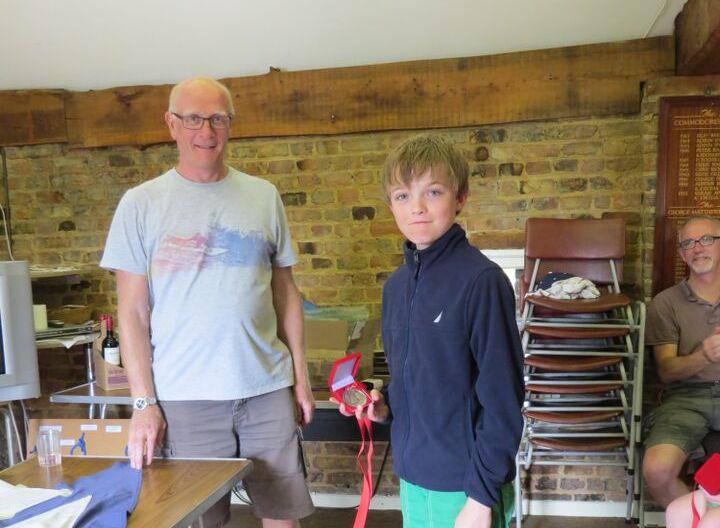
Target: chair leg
{"type": "Point", "coordinates": [518, 494]}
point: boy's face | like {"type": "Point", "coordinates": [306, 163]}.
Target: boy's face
{"type": "Point", "coordinates": [425, 209]}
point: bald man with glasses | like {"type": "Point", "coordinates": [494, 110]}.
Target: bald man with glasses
{"type": "Point", "coordinates": [683, 327]}
{"type": "Point", "coordinates": [211, 321]}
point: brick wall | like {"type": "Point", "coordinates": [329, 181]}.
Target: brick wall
{"type": "Point", "coordinates": [62, 201]}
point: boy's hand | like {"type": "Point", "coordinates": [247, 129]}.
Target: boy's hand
{"type": "Point", "coordinates": [474, 515]}
{"type": "Point", "coordinates": [377, 411]}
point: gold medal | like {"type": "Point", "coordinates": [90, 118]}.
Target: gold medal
{"type": "Point", "coordinates": [355, 398]}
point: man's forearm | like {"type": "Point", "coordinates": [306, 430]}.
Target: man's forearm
{"type": "Point", "coordinates": [136, 352]}
{"type": "Point", "coordinates": [291, 326]}
{"type": "Point", "coordinates": [294, 337]}
{"type": "Point", "coordinates": [681, 368]}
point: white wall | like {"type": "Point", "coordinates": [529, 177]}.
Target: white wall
{"type": "Point", "coordinates": [95, 44]}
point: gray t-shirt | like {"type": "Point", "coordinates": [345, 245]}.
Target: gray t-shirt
{"type": "Point", "coordinates": [207, 251]}
{"type": "Point", "coordinates": [678, 316]}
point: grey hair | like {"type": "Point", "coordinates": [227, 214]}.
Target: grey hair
{"type": "Point", "coordinates": [175, 92]}
{"type": "Point", "coordinates": [700, 218]}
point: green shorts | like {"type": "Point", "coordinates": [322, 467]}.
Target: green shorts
{"type": "Point", "coordinates": [686, 415]}
{"type": "Point", "coordinates": [424, 508]}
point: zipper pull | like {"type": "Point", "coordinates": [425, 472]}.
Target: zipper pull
{"type": "Point", "coordinates": [416, 259]}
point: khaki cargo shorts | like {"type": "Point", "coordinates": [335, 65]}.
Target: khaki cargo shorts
{"type": "Point", "coordinates": [686, 414]}
{"type": "Point", "coordinates": [262, 428]}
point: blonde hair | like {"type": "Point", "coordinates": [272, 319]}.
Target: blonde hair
{"type": "Point", "coordinates": [417, 154]}
{"type": "Point", "coordinates": [175, 92]}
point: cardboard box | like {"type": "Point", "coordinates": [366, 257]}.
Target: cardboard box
{"type": "Point", "coordinates": [83, 437]}
{"type": "Point", "coordinates": [107, 375]}
{"type": "Point", "coordinates": [363, 340]}
{"type": "Point", "coordinates": [326, 334]}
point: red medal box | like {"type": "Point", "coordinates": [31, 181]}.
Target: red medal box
{"type": "Point", "coordinates": [708, 476]}
{"type": "Point", "coordinates": [343, 386]}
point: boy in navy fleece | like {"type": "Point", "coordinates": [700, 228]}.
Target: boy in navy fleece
{"type": "Point", "coordinates": [453, 348]}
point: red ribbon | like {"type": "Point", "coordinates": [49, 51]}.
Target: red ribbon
{"type": "Point", "coordinates": [696, 515]}
{"type": "Point", "coordinates": [365, 426]}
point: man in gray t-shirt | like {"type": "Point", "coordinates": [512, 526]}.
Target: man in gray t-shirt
{"type": "Point", "coordinates": [683, 327]}
{"type": "Point", "coordinates": [211, 320]}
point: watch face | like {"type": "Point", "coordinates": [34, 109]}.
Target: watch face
{"type": "Point", "coordinates": [355, 398]}
{"type": "Point", "coordinates": [140, 403]}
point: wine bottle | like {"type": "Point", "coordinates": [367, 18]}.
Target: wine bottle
{"type": "Point", "coordinates": [110, 345]}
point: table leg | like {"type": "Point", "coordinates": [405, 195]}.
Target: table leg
{"type": "Point", "coordinates": [9, 434]}
{"type": "Point", "coordinates": [90, 374]}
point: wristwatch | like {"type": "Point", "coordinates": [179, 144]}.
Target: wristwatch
{"type": "Point", "coordinates": [142, 402]}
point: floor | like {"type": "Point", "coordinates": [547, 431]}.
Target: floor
{"type": "Point", "coordinates": [342, 518]}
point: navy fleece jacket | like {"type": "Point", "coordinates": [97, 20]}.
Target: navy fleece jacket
{"type": "Point", "coordinates": [453, 348]}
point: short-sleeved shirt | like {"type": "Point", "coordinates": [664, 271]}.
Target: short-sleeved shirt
{"type": "Point", "coordinates": [207, 250]}
{"type": "Point", "coordinates": [678, 316]}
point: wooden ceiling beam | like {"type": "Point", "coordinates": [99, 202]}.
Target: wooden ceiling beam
{"type": "Point", "coordinates": [697, 33]}
{"type": "Point", "coordinates": [598, 79]}
{"type": "Point", "coordinates": [30, 117]}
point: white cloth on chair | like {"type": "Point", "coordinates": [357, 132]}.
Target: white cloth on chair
{"type": "Point", "coordinates": [572, 288]}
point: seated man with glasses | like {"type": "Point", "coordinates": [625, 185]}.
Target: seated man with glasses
{"type": "Point", "coordinates": [683, 327]}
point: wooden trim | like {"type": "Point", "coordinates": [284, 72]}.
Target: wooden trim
{"type": "Point", "coordinates": [578, 81]}
{"type": "Point", "coordinates": [130, 115]}
{"type": "Point", "coordinates": [29, 117]}
{"type": "Point", "coordinates": [697, 29]}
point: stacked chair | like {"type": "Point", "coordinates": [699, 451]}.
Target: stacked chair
{"type": "Point", "coordinates": [583, 358]}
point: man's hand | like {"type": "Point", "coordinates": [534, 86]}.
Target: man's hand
{"type": "Point", "coordinates": [147, 429]}
{"type": "Point", "coordinates": [305, 403]}
{"type": "Point", "coordinates": [377, 411]}
{"type": "Point", "coordinates": [711, 347]}
{"type": "Point", "coordinates": [474, 515]}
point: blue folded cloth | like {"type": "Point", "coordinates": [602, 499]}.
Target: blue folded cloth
{"type": "Point", "coordinates": [114, 493]}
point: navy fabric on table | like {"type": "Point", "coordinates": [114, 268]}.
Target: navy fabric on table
{"type": "Point", "coordinates": [114, 493]}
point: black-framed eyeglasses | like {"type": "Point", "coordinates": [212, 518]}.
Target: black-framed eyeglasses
{"type": "Point", "coordinates": [195, 122]}
{"type": "Point", "coordinates": [705, 240]}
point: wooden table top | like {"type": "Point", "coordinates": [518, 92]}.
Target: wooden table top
{"type": "Point", "coordinates": [174, 491]}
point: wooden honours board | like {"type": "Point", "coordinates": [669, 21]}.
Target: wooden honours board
{"type": "Point", "coordinates": [688, 179]}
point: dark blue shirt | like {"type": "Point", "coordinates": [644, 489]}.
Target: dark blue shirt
{"type": "Point", "coordinates": [453, 349]}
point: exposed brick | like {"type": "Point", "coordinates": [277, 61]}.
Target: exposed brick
{"type": "Point", "coordinates": [622, 164]}
{"type": "Point", "coordinates": [600, 182]}
{"type": "Point", "coordinates": [483, 170]}
{"type": "Point", "coordinates": [327, 147]}
{"type": "Point", "coordinates": [117, 160]}
{"type": "Point", "coordinates": [302, 149]}
{"type": "Point", "coordinates": [490, 135]}
{"type": "Point", "coordinates": [345, 235]}
{"type": "Point", "coordinates": [571, 484]}
{"type": "Point", "coordinates": [566, 165]}
{"type": "Point", "coordinates": [281, 167]}
{"type": "Point", "coordinates": [314, 164]}
{"type": "Point", "coordinates": [573, 184]}
{"type": "Point", "coordinates": [362, 144]}
{"type": "Point", "coordinates": [527, 133]}
{"type": "Point", "coordinates": [510, 169]}
{"type": "Point", "coordinates": [581, 149]}
{"type": "Point", "coordinates": [544, 203]}
{"type": "Point", "coordinates": [289, 199]}
{"type": "Point", "coordinates": [321, 263]}
{"type": "Point", "coordinates": [546, 483]}
{"type": "Point", "coordinates": [363, 213]}
{"type": "Point", "coordinates": [307, 248]}
{"type": "Point", "coordinates": [322, 197]}
{"type": "Point", "coordinates": [576, 131]}
{"type": "Point", "coordinates": [271, 150]}
{"type": "Point", "coordinates": [537, 167]}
